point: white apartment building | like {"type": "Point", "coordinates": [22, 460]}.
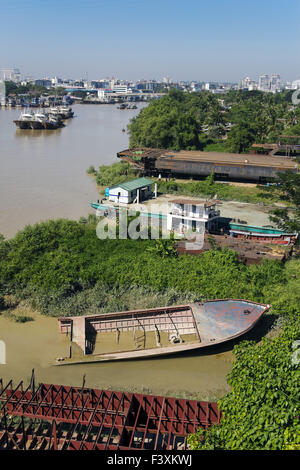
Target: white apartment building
{"type": "Point", "coordinates": [264, 83]}
{"type": "Point", "coordinates": [11, 75]}
{"type": "Point", "coordinates": [2, 93]}
{"type": "Point", "coordinates": [248, 84]}
{"type": "Point", "coordinates": [275, 83]}
{"type": "Point", "coordinates": [191, 215]}
{"type": "Point", "coordinates": [121, 89]}
{"type": "Point", "coordinates": [104, 94]}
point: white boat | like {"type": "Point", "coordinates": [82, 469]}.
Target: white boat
{"type": "Point", "coordinates": [39, 120]}
{"type": "Point", "coordinates": [24, 121]}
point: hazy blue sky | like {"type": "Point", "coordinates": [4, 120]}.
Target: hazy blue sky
{"type": "Point", "coordinates": [188, 39]}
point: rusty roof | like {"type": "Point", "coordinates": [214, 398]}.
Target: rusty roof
{"type": "Point", "coordinates": [237, 159]}
{"type": "Point", "coordinates": [231, 159]}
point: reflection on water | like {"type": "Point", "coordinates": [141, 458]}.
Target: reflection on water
{"type": "Point", "coordinates": [43, 172]}
{"type": "Point", "coordinates": [31, 133]}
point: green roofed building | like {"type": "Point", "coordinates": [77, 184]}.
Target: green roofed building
{"type": "Point", "coordinates": [131, 191]}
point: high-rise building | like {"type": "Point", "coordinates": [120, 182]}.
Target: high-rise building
{"type": "Point", "coordinates": [275, 83]}
{"type": "Point", "coordinates": [264, 83]}
{"type": "Point", "coordinates": [2, 93]}
{"type": "Point", "coordinates": [248, 84]}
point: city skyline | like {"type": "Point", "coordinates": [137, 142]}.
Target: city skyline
{"type": "Point", "coordinates": [196, 41]}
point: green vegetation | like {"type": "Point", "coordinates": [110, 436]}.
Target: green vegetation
{"type": "Point", "coordinates": [91, 170]}
{"type": "Point", "coordinates": [209, 189]}
{"type": "Point", "coordinates": [202, 121]}
{"type": "Point", "coordinates": [287, 189]}
{"type": "Point", "coordinates": [13, 88]}
{"type": "Point", "coordinates": [108, 175]}
{"type": "Point", "coordinates": [118, 172]}
{"type": "Point", "coordinates": [58, 260]}
{"type": "Point", "coordinates": [262, 410]}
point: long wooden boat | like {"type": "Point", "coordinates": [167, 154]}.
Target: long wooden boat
{"type": "Point", "coordinates": [141, 334]}
{"type": "Point", "coordinates": [255, 229]}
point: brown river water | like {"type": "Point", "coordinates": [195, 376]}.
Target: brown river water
{"type": "Point", "coordinates": [43, 173]}
{"type": "Point", "coordinates": [43, 176]}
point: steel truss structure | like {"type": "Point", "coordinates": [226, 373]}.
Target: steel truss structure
{"type": "Point", "coordinates": [59, 417]}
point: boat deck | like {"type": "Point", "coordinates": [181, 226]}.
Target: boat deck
{"type": "Point", "coordinates": [157, 332]}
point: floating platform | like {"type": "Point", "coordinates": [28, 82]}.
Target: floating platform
{"type": "Point", "coordinates": [142, 334]}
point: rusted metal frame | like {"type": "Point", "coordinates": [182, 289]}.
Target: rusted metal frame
{"type": "Point", "coordinates": [193, 420]}
{"type": "Point", "coordinates": [159, 422]}
{"type": "Point", "coordinates": [14, 434]}
{"type": "Point", "coordinates": [30, 401]}
{"type": "Point", "coordinates": [63, 403]}
{"type": "Point", "coordinates": [78, 419]}
{"type": "Point", "coordinates": [114, 422]}
{"type": "Point", "coordinates": [125, 413]}
{"type": "Point", "coordinates": [148, 419]}
{"type": "Point", "coordinates": [171, 423]}
{"type": "Point", "coordinates": [72, 406]}
{"type": "Point", "coordinates": [14, 442]}
{"type": "Point", "coordinates": [184, 416]}
{"type": "Point", "coordinates": [207, 414]}
{"type": "Point", "coordinates": [196, 326]}
{"type": "Point", "coordinates": [53, 402]}
{"type": "Point", "coordinates": [43, 402]}
{"type": "Point", "coordinates": [109, 316]}
{"type": "Point", "coordinates": [135, 424]}
{"type": "Point", "coordinates": [5, 388]}
{"type": "Point", "coordinates": [20, 399]}
{"type": "Point", "coordinates": [54, 435]}
{"type": "Point", "coordinates": [36, 431]}
{"type": "Point", "coordinates": [23, 432]}
{"type": "Point", "coordinates": [12, 395]}
{"type": "Point", "coordinates": [103, 420]}
{"type": "Point", "coordinates": [91, 420]}
{"type": "Point", "coordinates": [5, 426]}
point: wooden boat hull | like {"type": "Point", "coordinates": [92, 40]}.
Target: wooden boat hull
{"type": "Point", "coordinates": [159, 332]}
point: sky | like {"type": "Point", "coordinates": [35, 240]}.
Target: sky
{"type": "Point", "coordinates": [217, 40]}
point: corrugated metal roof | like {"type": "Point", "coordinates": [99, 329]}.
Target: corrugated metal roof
{"type": "Point", "coordinates": [134, 184]}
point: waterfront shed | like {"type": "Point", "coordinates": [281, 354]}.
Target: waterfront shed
{"type": "Point", "coordinates": [131, 191]}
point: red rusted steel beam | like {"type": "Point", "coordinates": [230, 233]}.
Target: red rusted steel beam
{"type": "Point", "coordinates": [131, 415]}
{"type": "Point", "coordinates": [113, 424]}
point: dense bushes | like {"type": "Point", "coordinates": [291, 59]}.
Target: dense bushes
{"type": "Point", "coordinates": [117, 173]}
{"type": "Point", "coordinates": [66, 256]}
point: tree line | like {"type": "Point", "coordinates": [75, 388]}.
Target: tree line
{"type": "Point", "coordinates": [204, 121]}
